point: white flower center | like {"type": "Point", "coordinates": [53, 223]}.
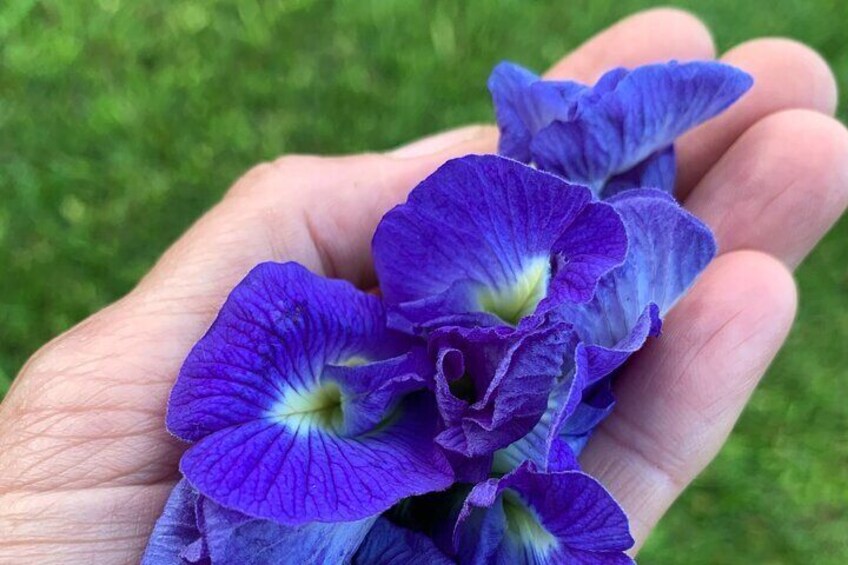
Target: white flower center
{"type": "Point", "coordinates": [519, 299]}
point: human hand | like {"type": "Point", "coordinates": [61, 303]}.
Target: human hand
{"type": "Point", "coordinates": [87, 464]}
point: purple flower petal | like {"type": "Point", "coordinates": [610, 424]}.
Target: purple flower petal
{"type": "Point", "coordinates": [630, 115]}
{"type": "Point", "coordinates": [193, 529]}
{"type": "Point", "coordinates": [277, 332]}
{"type": "Point", "coordinates": [575, 429]}
{"type": "Point", "coordinates": [524, 104]}
{"type": "Point", "coordinates": [293, 398]}
{"type": "Point", "coordinates": [533, 517]}
{"type": "Point", "coordinates": [658, 171]}
{"type": "Point", "coordinates": [489, 236]}
{"type": "Point", "coordinates": [559, 435]}
{"type": "Point", "coordinates": [575, 408]}
{"type": "Point", "coordinates": [233, 537]}
{"type": "Point", "coordinates": [175, 530]}
{"type": "Point", "coordinates": [592, 246]}
{"type": "Point", "coordinates": [547, 446]}
{"type": "Point", "coordinates": [388, 544]}
{"type": "Point", "coordinates": [668, 249]}
{"type": "Point", "coordinates": [371, 390]}
{"type": "Point", "coordinates": [492, 384]}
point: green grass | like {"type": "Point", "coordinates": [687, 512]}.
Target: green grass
{"type": "Point", "coordinates": [122, 121]}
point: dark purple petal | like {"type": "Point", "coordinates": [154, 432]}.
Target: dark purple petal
{"type": "Point", "coordinates": [509, 85]}
{"type": "Point", "coordinates": [388, 544]}
{"type": "Point", "coordinates": [658, 171]}
{"type": "Point", "coordinates": [480, 235]}
{"type": "Point", "coordinates": [524, 104]}
{"type": "Point", "coordinates": [543, 445]}
{"type": "Point", "coordinates": [533, 517]}
{"type": "Point", "coordinates": [575, 408]}
{"type": "Point", "coordinates": [480, 533]}
{"type": "Point", "coordinates": [492, 384]}
{"type": "Point", "coordinates": [592, 246]}
{"type": "Point", "coordinates": [669, 248]}
{"type": "Point", "coordinates": [596, 403]}
{"type": "Point", "coordinates": [371, 390]}
{"type": "Point", "coordinates": [233, 537]}
{"type": "Point", "coordinates": [466, 469]}
{"type": "Point", "coordinates": [601, 360]}
{"type": "Point", "coordinates": [175, 530]}
{"type": "Point", "coordinates": [448, 308]}
{"type": "Point", "coordinates": [293, 399]}
{"type": "Point", "coordinates": [630, 115]}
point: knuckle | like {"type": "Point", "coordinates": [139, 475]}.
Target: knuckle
{"type": "Point", "coordinates": [283, 174]}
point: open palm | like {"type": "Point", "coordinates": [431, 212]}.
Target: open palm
{"type": "Point", "coordinates": [86, 463]}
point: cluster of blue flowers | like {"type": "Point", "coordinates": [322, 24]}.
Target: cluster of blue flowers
{"type": "Point", "coordinates": [442, 422]}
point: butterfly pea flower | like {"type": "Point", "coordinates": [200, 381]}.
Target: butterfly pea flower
{"type": "Point", "coordinates": [302, 406]}
{"type": "Point", "coordinates": [531, 516]}
{"type": "Point", "coordinates": [617, 134]}
{"type": "Point", "coordinates": [668, 249]}
{"type": "Point", "coordinates": [487, 241]}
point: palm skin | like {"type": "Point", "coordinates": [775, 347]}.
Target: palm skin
{"type": "Point", "coordinates": [86, 463]}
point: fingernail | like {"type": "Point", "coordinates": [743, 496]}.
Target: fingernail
{"type": "Point", "coordinates": [442, 142]}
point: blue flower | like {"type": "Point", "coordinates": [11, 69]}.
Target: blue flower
{"type": "Point", "coordinates": [297, 403]}
{"type": "Point", "coordinates": [529, 516]}
{"type": "Point", "coordinates": [487, 241]}
{"type": "Point", "coordinates": [667, 249]}
{"type": "Point", "coordinates": [617, 134]}
{"type": "Point", "coordinates": [514, 255]}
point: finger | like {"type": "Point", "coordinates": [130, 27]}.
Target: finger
{"type": "Point", "coordinates": [679, 399]}
{"type": "Point", "coordinates": [651, 36]}
{"type": "Point", "coordinates": [779, 188]}
{"type": "Point", "coordinates": [787, 75]}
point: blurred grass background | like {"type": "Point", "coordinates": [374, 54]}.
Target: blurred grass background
{"type": "Point", "coordinates": [120, 122]}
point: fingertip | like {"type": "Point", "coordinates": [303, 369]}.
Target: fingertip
{"type": "Point", "coordinates": [651, 36]}
{"type": "Point", "coordinates": [790, 171]}
{"type": "Point", "coordinates": [820, 145]}
{"type": "Point", "coordinates": [750, 288]}
{"type": "Point", "coordinates": [764, 283]}
{"type": "Point", "coordinates": [680, 24]}
{"type": "Point", "coordinates": [817, 145]}
{"type": "Point", "coordinates": [797, 70]}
